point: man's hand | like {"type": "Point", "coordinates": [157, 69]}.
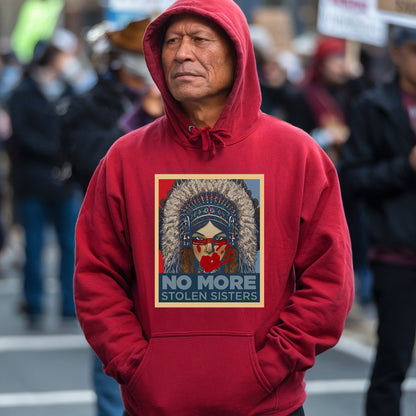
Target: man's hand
{"type": "Point", "coordinates": [412, 158]}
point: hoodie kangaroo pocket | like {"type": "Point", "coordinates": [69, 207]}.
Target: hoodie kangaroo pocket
{"type": "Point", "coordinates": [199, 375]}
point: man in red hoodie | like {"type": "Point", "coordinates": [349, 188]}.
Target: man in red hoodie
{"type": "Point", "coordinates": [213, 257]}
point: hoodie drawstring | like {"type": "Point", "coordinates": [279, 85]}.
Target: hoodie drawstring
{"type": "Point", "coordinates": [210, 138]}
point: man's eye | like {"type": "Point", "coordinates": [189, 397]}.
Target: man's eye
{"type": "Point", "coordinates": [171, 41]}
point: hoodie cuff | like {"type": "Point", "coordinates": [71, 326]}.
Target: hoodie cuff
{"type": "Point", "coordinates": [274, 365]}
{"type": "Point", "coordinates": [123, 369]}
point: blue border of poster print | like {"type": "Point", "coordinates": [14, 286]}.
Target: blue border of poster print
{"type": "Point", "coordinates": [230, 288]}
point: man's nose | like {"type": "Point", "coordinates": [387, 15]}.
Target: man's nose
{"type": "Point", "coordinates": [184, 51]}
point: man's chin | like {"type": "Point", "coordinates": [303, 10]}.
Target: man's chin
{"type": "Point", "coordinates": [189, 95]}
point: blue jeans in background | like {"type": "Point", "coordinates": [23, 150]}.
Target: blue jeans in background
{"type": "Point", "coordinates": [35, 214]}
{"type": "Point", "coordinates": [108, 392]}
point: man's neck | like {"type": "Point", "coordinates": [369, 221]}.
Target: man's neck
{"type": "Point", "coordinates": [203, 114]}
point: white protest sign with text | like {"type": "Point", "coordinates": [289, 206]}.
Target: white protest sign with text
{"type": "Point", "coordinates": [356, 20]}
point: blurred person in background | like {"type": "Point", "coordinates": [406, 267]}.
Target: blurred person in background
{"type": "Point", "coordinates": [123, 99]}
{"type": "Point", "coordinates": [78, 70]}
{"type": "Point", "coordinates": [40, 178]}
{"type": "Point", "coordinates": [330, 89]}
{"type": "Point", "coordinates": [5, 125]}
{"type": "Point", "coordinates": [5, 133]}
{"type": "Point", "coordinates": [11, 70]}
{"type": "Point", "coordinates": [10, 74]}
{"type": "Point", "coordinates": [281, 98]}
{"type": "Point", "coordinates": [329, 92]}
{"type": "Point", "coordinates": [378, 165]}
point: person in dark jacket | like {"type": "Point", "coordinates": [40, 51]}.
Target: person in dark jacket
{"type": "Point", "coordinates": [40, 179]}
{"type": "Point", "coordinates": [123, 99]}
{"type": "Point", "coordinates": [378, 166]}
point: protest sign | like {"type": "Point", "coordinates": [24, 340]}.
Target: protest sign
{"type": "Point", "coordinates": [407, 7]}
{"type": "Point", "coordinates": [400, 12]}
{"type": "Point", "coordinates": [37, 20]}
{"type": "Point", "coordinates": [121, 12]}
{"type": "Point", "coordinates": [355, 20]}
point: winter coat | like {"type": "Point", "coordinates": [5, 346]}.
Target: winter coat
{"type": "Point", "coordinates": [375, 167]}
{"type": "Point", "coordinates": [37, 164]}
{"type": "Point", "coordinates": [91, 125]}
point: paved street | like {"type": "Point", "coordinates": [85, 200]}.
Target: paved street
{"type": "Point", "coordinates": [48, 373]}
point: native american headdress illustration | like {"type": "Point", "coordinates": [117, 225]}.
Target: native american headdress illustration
{"type": "Point", "coordinates": [191, 203]}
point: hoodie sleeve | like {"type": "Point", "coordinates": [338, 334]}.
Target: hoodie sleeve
{"type": "Point", "coordinates": [314, 317]}
{"type": "Point", "coordinates": [104, 273]}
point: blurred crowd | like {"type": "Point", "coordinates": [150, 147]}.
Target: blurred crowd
{"type": "Point", "coordinates": [61, 111]}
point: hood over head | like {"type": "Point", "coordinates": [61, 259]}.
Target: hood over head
{"type": "Point", "coordinates": [243, 104]}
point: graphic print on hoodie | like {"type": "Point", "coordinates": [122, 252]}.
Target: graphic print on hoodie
{"type": "Point", "coordinates": [209, 241]}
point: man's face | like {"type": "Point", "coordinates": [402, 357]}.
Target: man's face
{"type": "Point", "coordinates": [404, 57]}
{"type": "Point", "coordinates": [198, 61]}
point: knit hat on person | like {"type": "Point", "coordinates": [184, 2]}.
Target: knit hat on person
{"type": "Point", "coordinates": [328, 46]}
{"type": "Point", "coordinates": [325, 47]}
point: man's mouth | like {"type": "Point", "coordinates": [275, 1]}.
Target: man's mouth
{"type": "Point", "coordinates": [185, 75]}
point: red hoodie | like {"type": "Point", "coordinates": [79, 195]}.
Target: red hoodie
{"type": "Point", "coordinates": [233, 331]}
